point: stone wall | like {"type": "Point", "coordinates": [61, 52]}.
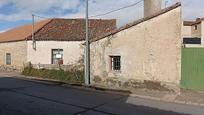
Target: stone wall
{"type": "Point", "coordinates": [18, 55]}
{"type": "Point", "coordinates": [78, 66]}
{"type": "Point", "coordinates": [150, 53]}
{"type": "Point", "coordinates": [196, 33]}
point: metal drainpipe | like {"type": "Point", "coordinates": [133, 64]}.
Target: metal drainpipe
{"type": "Point", "coordinates": [33, 32]}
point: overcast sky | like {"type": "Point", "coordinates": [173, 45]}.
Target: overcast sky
{"type": "Point", "coordinates": [18, 12]}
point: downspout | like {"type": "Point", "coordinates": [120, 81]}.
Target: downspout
{"type": "Point", "coordinates": [33, 32]}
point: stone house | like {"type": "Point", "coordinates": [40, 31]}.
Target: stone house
{"type": "Point", "coordinates": [193, 33]}
{"type": "Point", "coordinates": [55, 41]}
{"type": "Point", "coordinates": [147, 51]}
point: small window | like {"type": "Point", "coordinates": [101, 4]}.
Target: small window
{"type": "Point", "coordinates": [195, 27]}
{"type": "Point", "coordinates": [57, 56]}
{"type": "Point", "coordinates": [115, 63]}
{"type": "Point", "coordinates": [8, 59]}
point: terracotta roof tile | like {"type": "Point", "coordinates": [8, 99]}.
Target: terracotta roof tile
{"type": "Point", "coordinates": [59, 30]}
{"type": "Point", "coordinates": [73, 29]}
{"type": "Point", "coordinates": [21, 33]}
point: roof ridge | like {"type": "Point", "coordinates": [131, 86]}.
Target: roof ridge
{"type": "Point", "coordinates": [49, 21]}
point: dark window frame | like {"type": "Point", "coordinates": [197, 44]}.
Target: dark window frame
{"type": "Point", "coordinates": [196, 27]}
{"type": "Point", "coordinates": [192, 40]}
{"type": "Point", "coordinates": [115, 62]}
{"type": "Point", "coordinates": [8, 59]}
{"type": "Point", "coordinates": [52, 55]}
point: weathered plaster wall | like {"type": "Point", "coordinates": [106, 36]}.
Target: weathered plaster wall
{"type": "Point", "coordinates": [18, 54]}
{"type": "Point", "coordinates": [196, 33]}
{"type": "Point", "coordinates": [187, 31]}
{"type": "Point", "coordinates": [202, 32]}
{"type": "Point", "coordinates": [72, 51]}
{"type": "Point", "coordinates": [149, 51]}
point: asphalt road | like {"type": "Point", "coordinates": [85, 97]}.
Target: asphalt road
{"type": "Point", "coordinates": [22, 97]}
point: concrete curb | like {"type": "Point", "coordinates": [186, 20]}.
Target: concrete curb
{"type": "Point", "coordinates": [99, 89]}
{"type": "Point", "coordinates": [163, 100]}
{"type": "Point", "coordinates": [74, 85]}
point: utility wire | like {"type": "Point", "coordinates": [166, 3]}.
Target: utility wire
{"type": "Point", "coordinates": [116, 9]}
{"type": "Point", "coordinates": [43, 17]}
{"type": "Point", "coordinates": [98, 15]}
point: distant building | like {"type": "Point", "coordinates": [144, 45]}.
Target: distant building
{"type": "Point", "coordinates": [57, 41]}
{"type": "Point", "coordinates": [193, 33]}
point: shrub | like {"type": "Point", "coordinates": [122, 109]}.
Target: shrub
{"type": "Point", "coordinates": [74, 76]}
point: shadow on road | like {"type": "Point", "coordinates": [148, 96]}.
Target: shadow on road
{"type": "Point", "coordinates": [23, 97]}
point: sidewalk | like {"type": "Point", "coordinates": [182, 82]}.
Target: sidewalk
{"type": "Point", "coordinates": [189, 97]}
{"type": "Point", "coordinates": [8, 74]}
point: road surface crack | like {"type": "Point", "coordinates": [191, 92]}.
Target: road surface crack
{"type": "Point", "coordinates": [95, 107]}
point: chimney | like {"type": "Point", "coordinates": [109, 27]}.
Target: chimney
{"type": "Point", "coordinates": [198, 19]}
{"type": "Point", "coordinates": [151, 7]}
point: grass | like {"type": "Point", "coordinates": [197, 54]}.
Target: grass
{"type": "Point", "coordinates": [74, 76]}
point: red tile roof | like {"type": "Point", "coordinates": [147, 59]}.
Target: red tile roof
{"type": "Point", "coordinates": [74, 29]}
{"type": "Point", "coordinates": [21, 33]}
{"type": "Point", "coordinates": [59, 30]}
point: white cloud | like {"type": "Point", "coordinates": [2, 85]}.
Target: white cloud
{"type": "Point", "coordinates": [24, 8]}
{"type": "Point", "coordinates": [193, 9]}
{"type": "Point", "coordinates": [3, 2]}
{"type": "Point", "coordinates": [56, 8]}
{"type": "Point", "coordinates": [122, 16]}
{"type": "Point", "coordinates": [45, 5]}
{"type": "Point", "coordinates": [1, 31]}
{"type": "Point", "coordinates": [102, 6]}
{"type": "Point", "coordinates": [15, 17]}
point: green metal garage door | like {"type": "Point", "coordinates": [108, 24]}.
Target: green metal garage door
{"type": "Point", "coordinates": [192, 71]}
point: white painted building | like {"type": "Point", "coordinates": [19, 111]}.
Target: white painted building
{"type": "Point", "coordinates": [56, 41]}
{"type": "Point", "coordinates": [193, 33]}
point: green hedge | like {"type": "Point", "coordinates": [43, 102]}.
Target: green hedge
{"type": "Point", "coordinates": [71, 76]}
